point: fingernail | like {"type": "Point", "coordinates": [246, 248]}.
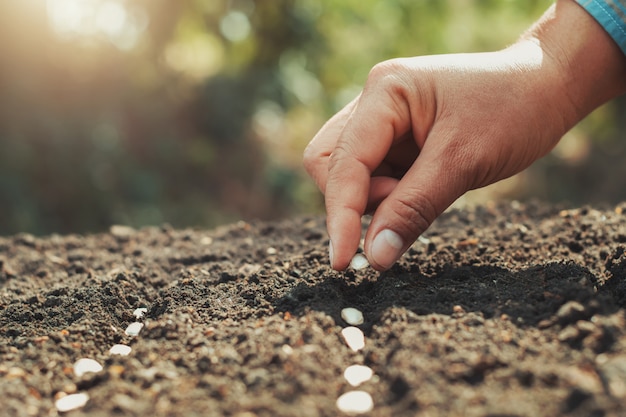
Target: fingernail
{"type": "Point", "coordinates": [330, 252]}
{"type": "Point", "coordinates": [386, 248]}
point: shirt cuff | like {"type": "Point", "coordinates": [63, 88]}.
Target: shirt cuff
{"type": "Point", "coordinates": [611, 15]}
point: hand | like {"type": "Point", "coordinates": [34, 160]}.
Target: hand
{"type": "Point", "coordinates": [425, 130]}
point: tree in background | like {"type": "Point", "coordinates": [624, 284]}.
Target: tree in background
{"type": "Point", "coordinates": [195, 112]}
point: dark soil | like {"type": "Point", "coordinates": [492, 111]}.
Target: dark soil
{"type": "Point", "coordinates": [510, 310]}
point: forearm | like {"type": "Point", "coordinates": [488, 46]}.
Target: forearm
{"type": "Point", "coordinates": [591, 66]}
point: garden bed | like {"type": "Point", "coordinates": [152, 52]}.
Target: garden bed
{"type": "Point", "coordinates": [502, 310]}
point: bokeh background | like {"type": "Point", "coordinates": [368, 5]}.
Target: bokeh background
{"type": "Point", "coordinates": [196, 112]}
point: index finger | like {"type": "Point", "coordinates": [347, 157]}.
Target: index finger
{"type": "Point", "coordinates": [377, 119]}
{"type": "Point", "coordinates": [318, 151]}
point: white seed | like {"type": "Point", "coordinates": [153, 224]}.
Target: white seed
{"type": "Point", "coordinates": [86, 365]}
{"type": "Point", "coordinates": [133, 329]}
{"type": "Point", "coordinates": [71, 402]}
{"type": "Point", "coordinates": [139, 312]}
{"type": "Point", "coordinates": [122, 350]}
{"type": "Point", "coordinates": [287, 350]}
{"type": "Point", "coordinates": [352, 316]}
{"type": "Point", "coordinates": [358, 374]}
{"type": "Point", "coordinates": [354, 337]}
{"type": "Point", "coordinates": [359, 262]}
{"type": "Point", "coordinates": [355, 402]}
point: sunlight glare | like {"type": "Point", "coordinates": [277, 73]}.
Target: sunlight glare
{"type": "Point", "coordinates": [235, 26]}
{"type": "Point", "coordinates": [109, 19]}
{"type": "Point", "coordinates": [69, 16]}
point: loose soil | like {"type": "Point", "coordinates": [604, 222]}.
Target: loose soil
{"type": "Point", "coordinates": [502, 310]}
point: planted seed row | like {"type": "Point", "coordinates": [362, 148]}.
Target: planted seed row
{"type": "Point", "coordinates": [351, 402]}
{"type": "Point", "coordinates": [355, 401]}
{"type": "Point", "coordinates": [86, 365]}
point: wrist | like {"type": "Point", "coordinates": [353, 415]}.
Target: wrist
{"type": "Point", "coordinates": [587, 65]}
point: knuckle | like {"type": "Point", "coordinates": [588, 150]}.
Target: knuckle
{"type": "Point", "coordinates": [386, 75]}
{"type": "Point", "coordinates": [342, 154]}
{"type": "Point", "coordinates": [310, 158]}
{"type": "Point", "coordinates": [315, 164]}
{"type": "Point", "coordinates": [473, 166]}
{"type": "Point", "coordinates": [389, 82]}
{"type": "Point", "coordinates": [417, 214]}
{"type": "Point", "coordinates": [382, 70]}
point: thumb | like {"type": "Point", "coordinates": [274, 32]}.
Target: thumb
{"type": "Point", "coordinates": [431, 185]}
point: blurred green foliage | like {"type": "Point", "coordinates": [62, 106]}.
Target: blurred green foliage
{"type": "Point", "coordinates": [196, 112]}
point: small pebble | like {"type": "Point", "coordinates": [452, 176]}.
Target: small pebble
{"type": "Point", "coordinates": [118, 230]}
{"type": "Point", "coordinates": [15, 372]}
{"type": "Point", "coordinates": [570, 312]}
{"type": "Point", "coordinates": [613, 371]}
{"type": "Point", "coordinates": [354, 337]}
{"type": "Point", "coordinates": [122, 350]}
{"type": "Point", "coordinates": [86, 365]}
{"type": "Point", "coordinates": [133, 329]}
{"type": "Point", "coordinates": [355, 402]}
{"type": "Point", "coordinates": [71, 402]}
{"type": "Point", "coordinates": [359, 262]}
{"type": "Point", "coordinates": [139, 312]}
{"type": "Point", "coordinates": [358, 374]}
{"type": "Point", "coordinates": [352, 316]}
{"type": "Point", "coordinates": [116, 370]}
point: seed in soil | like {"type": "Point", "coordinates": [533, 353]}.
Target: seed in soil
{"type": "Point", "coordinates": [358, 374]}
{"type": "Point", "coordinates": [15, 372]}
{"type": "Point", "coordinates": [355, 402]}
{"type": "Point", "coordinates": [352, 316]}
{"type": "Point", "coordinates": [71, 402]}
{"type": "Point", "coordinates": [122, 350]}
{"type": "Point", "coordinates": [139, 312]}
{"type": "Point", "coordinates": [359, 262]}
{"type": "Point", "coordinates": [133, 329]}
{"type": "Point", "coordinates": [354, 337]}
{"type": "Point", "coordinates": [86, 365]}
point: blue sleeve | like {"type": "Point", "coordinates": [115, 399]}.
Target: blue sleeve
{"type": "Point", "coordinates": [611, 14]}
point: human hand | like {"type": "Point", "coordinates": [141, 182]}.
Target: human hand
{"type": "Point", "coordinates": [425, 130]}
